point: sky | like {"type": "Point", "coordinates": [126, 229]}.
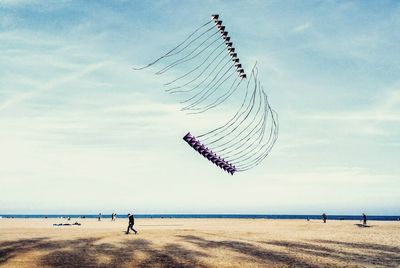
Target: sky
{"type": "Point", "coordinates": [81, 132]}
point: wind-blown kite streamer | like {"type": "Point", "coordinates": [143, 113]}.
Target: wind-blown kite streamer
{"type": "Point", "coordinates": [213, 73]}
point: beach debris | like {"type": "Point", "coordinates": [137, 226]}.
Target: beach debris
{"type": "Point", "coordinates": [208, 72]}
{"type": "Point", "coordinates": [67, 224]}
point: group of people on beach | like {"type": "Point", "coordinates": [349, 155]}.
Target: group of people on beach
{"type": "Point", "coordinates": [364, 218]}
{"type": "Point", "coordinates": [113, 216]}
{"type": "Point", "coordinates": [131, 221]}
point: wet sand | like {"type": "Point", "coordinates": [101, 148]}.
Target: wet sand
{"type": "Point", "coordinates": [199, 243]}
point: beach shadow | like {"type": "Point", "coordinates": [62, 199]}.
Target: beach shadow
{"type": "Point", "coordinates": [254, 252]}
{"type": "Point", "coordinates": [138, 252]}
{"type": "Point", "coordinates": [368, 246]}
{"type": "Point", "coordinates": [362, 225]}
{"type": "Point", "coordinates": [11, 249]}
{"type": "Point", "coordinates": [90, 253]}
{"type": "Point", "coordinates": [170, 255]}
{"type": "Point", "coordinates": [358, 253]}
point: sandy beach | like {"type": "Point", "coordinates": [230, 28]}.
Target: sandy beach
{"type": "Point", "coordinates": [198, 243]}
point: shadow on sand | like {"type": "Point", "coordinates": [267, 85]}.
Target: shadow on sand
{"type": "Point", "coordinates": [362, 225]}
{"type": "Point", "coordinates": [253, 252]}
{"type": "Point", "coordinates": [351, 254]}
{"type": "Point", "coordinates": [90, 252]}
{"type": "Point", "coordinates": [354, 253]}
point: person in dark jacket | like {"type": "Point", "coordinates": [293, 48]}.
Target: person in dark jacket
{"type": "Point", "coordinates": [131, 223]}
{"type": "Point", "coordinates": [324, 217]}
{"type": "Point", "coordinates": [364, 219]}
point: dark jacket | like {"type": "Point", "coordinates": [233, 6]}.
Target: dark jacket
{"type": "Point", "coordinates": [131, 220]}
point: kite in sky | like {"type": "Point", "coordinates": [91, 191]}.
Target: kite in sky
{"type": "Point", "coordinates": [212, 74]}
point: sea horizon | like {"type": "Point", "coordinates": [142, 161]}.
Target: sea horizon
{"type": "Point", "coordinates": [208, 216]}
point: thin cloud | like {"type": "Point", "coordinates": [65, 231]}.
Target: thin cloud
{"type": "Point", "coordinates": [385, 110]}
{"type": "Point", "coordinates": [49, 86]}
{"type": "Point", "coordinates": [302, 27]}
{"type": "Point", "coordinates": [357, 116]}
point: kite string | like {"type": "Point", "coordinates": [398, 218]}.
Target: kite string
{"type": "Point", "coordinates": [168, 54]}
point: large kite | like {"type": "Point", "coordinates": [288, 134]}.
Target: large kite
{"type": "Point", "coordinates": [213, 73]}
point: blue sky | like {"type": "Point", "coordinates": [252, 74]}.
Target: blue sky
{"type": "Point", "coordinates": [82, 132]}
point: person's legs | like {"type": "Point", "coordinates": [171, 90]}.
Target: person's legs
{"type": "Point", "coordinates": [129, 226]}
{"type": "Point", "coordinates": [133, 229]}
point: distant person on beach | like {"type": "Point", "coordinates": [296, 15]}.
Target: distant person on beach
{"type": "Point", "coordinates": [364, 219]}
{"type": "Point", "coordinates": [131, 223]}
{"type": "Point", "coordinates": [99, 217]}
{"type": "Point", "coordinates": [324, 217]}
{"type": "Point", "coordinates": [112, 216]}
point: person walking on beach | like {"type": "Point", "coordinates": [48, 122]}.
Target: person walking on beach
{"type": "Point", "coordinates": [131, 223]}
{"type": "Point", "coordinates": [364, 219]}
{"type": "Point", "coordinates": [324, 217]}
{"type": "Point", "coordinates": [99, 217]}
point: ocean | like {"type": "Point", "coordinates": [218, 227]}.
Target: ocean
{"type": "Point", "coordinates": [208, 216]}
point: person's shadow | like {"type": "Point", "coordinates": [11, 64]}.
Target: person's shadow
{"type": "Point", "coordinates": [362, 225]}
